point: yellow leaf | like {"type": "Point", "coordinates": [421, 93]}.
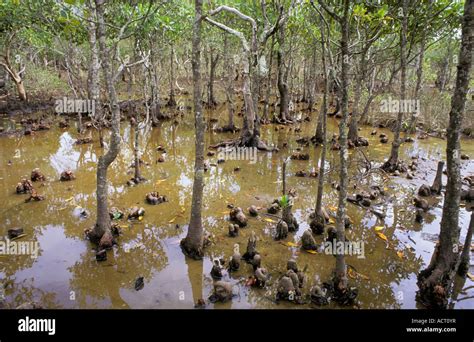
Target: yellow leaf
{"type": "Point", "coordinates": [378, 228]}
{"type": "Point", "coordinates": [382, 236]}
{"type": "Point", "coordinates": [400, 254]}
{"type": "Point", "coordinates": [331, 221]}
{"type": "Point", "coordinates": [351, 273]}
{"type": "Point", "coordinates": [470, 276]}
{"type": "Point", "coordinates": [140, 218]}
{"type": "Point", "coordinates": [69, 199]}
{"type": "Point", "coordinates": [160, 181]}
{"type": "Point", "coordinates": [289, 244]}
{"type": "Point", "coordinates": [269, 220]}
{"type": "Point", "coordinates": [332, 208]}
{"type": "Point", "coordinates": [310, 251]}
{"type": "Point", "coordinates": [172, 220]}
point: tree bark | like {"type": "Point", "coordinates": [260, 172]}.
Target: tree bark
{"type": "Point", "coordinates": [392, 163]}
{"type": "Point", "coordinates": [211, 101]}
{"type": "Point", "coordinates": [102, 225]}
{"type": "Point", "coordinates": [192, 244]}
{"type": "Point", "coordinates": [435, 282]}
{"type": "Point", "coordinates": [172, 100]}
{"type": "Point", "coordinates": [93, 77]}
{"type": "Point", "coordinates": [340, 275]}
{"type": "Point", "coordinates": [323, 117]}
{"type": "Point", "coordinates": [282, 84]}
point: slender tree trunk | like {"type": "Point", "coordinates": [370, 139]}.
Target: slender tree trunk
{"type": "Point", "coordinates": [353, 126]}
{"type": "Point", "coordinates": [324, 110]}
{"type": "Point", "coordinates": [436, 280]}
{"type": "Point", "coordinates": [392, 163]}
{"type": "Point", "coordinates": [229, 85]}
{"type": "Point", "coordinates": [340, 276]}
{"type": "Point", "coordinates": [93, 77]}
{"type": "Point", "coordinates": [211, 101]}
{"type": "Point", "coordinates": [172, 100]}
{"type": "Point", "coordinates": [102, 225]}
{"type": "Point", "coordinates": [282, 85]}
{"type": "Point", "coordinates": [138, 176]}
{"type": "Point", "coordinates": [312, 82]}
{"type": "Point", "coordinates": [419, 78]}
{"type": "Point", "coordinates": [269, 83]}
{"type": "Point", "coordinates": [155, 91]}
{"type": "Point", "coordinates": [192, 244]}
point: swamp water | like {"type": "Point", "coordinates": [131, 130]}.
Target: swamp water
{"type": "Point", "coordinates": [66, 275]}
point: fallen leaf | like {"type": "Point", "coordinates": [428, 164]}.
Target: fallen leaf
{"type": "Point", "coordinates": [382, 236]}
{"type": "Point", "coordinates": [289, 244]}
{"type": "Point", "coordinates": [379, 228]}
{"type": "Point", "coordinates": [172, 220]}
{"type": "Point", "coordinates": [269, 220]}
{"type": "Point", "coordinates": [140, 218]}
{"type": "Point", "coordinates": [354, 275]}
{"type": "Point", "coordinates": [400, 254]}
{"type": "Point", "coordinates": [332, 208]}
{"type": "Point", "coordinates": [332, 221]}
{"type": "Point", "coordinates": [310, 251]}
{"type": "Point", "coordinates": [18, 237]}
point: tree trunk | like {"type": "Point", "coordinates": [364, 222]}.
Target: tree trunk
{"type": "Point", "coordinates": [353, 126]}
{"type": "Point", "coordinates": [102, 225]}
{"type": "Point", "coordinates": [21, 89]}
{"type": "Point", "coordinates": [392, 163]}
{"type": "Point", "coordinates": [340, 276]}
{"type": "Point", "coordinates": [282, 85]}
{"type": "Point", "coordinates": [211, 101]}
{"type": "Point", "coordinates": [323, 117]}
{"type": "Point", "coordinates": [155, 91]}
{"type": "Point", "coordinates": [435, 281]}
{"type": "Point", "coordinates": [93, 77]}
{"type": "Point", "coordinates": [172, 100]}
{"type": "Point", "coordinates": [419, 78]}
{"type": "Point", "coordinates": [229, 86]}
{"type": "Point", "coordinates": [269, 84]}
{"type": "Point", "coordinates": [192, 244]}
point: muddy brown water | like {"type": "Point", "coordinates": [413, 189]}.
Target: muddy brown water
{"type": "Point", "coordinates": [66, 275]}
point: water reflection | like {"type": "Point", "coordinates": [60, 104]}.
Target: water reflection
{"type": "Point", "coordinates": [66, 267]}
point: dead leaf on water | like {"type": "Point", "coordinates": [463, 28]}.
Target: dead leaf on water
{"type": "Point", "coordinates": [269, 220]}
{"type": "Point", "coordinates": [311, 251]}
{"type": "Point", "coordinates": [379, 228]}
{"type": "Point", "coordinates": [18, 237]}
{"type": "Point", "coordinates": [400, 254]}
{"type": "Point", "coordinates": [382, 236]}
{"type": "Point", "coordinates": [289, 244]}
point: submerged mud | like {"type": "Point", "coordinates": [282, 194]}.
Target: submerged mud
{"type": "Point", "coordinates": [66, 274]}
